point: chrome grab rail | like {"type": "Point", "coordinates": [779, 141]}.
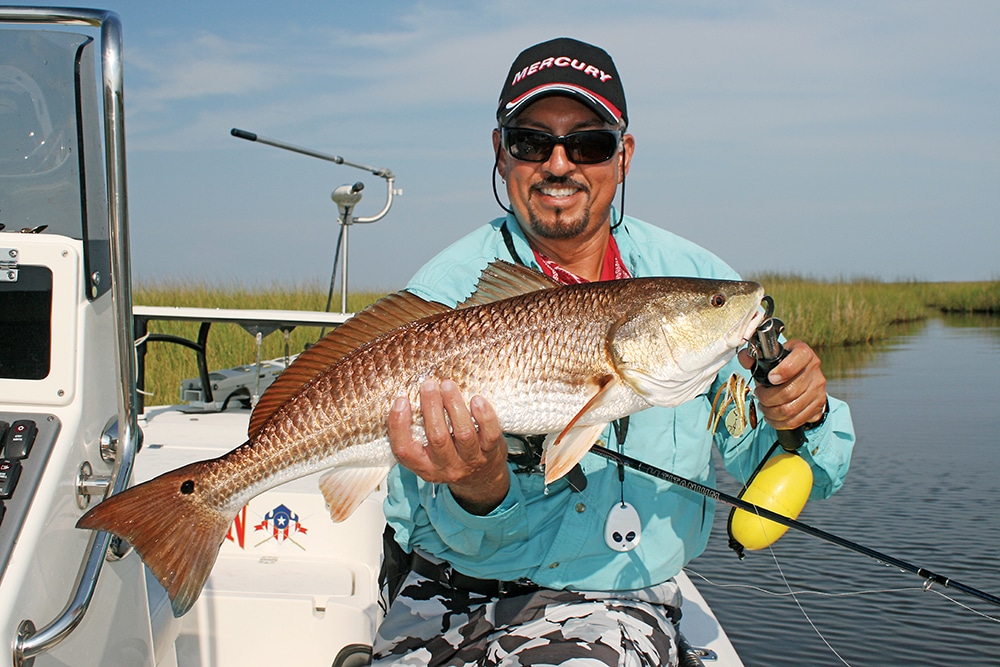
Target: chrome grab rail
{"type": "Point", "coordinates": [29, 641]}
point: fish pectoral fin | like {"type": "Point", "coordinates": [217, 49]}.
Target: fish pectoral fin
{"type": "Point", "coordinates": [344, 489]}
{"type": "Point", "coordinates": [564, 450]}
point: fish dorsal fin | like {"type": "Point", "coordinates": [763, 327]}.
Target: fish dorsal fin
{"type": "Point", "coordinates": [381, 317]}
{"type": "Point", "coordinates": [499, 280]}
{"type": "Point", "coordinates": [502, 280]}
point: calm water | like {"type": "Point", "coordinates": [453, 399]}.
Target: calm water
{"type": "Point", "coordinates": [924, 487]}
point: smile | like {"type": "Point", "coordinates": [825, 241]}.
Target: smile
{"type": "Point", "coordinates": [558, 192]}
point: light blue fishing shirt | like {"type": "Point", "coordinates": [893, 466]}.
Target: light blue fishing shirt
{"type": "Point", "coordinates": [556, 537]}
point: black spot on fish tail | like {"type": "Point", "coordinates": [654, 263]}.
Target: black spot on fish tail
{"type": "Point", "coordinates": [175, 532]}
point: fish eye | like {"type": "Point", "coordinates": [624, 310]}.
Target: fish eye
{"type": "Point", "coordinates": [718, 300]}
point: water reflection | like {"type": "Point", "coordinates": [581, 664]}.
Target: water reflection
{"type": "Point", "coordinates": [845, 362]}
{"type": "Point", "coordinates": [923, 488]}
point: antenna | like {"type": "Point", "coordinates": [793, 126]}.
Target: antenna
{"type": "Point", "coordinates": [346, 197]}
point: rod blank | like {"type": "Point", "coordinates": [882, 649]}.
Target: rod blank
{"type": "Point", "coordinates": [928, 576]}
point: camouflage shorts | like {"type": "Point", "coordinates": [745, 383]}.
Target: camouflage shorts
{"type": "Point", "coordinates": [431, 624]}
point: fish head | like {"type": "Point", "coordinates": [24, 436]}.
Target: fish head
{"type": "Point", "coordinates": [672, 343]}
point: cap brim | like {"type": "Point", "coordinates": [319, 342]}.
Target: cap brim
{"type": "Point", "coordinates": [602, 107]}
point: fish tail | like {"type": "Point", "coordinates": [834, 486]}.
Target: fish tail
{"type": "Point", "coordinates": [169, 523]}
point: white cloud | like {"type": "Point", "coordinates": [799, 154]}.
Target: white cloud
{"type": "Point", "coordinates": [205, 66]}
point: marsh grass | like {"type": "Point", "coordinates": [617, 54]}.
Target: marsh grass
{"type": "Point", "coordinates": [981, 297]}
{"type": "Point", "coordinates": [830, 314]}
{"type": "Point", "coordinates": [824, 314]}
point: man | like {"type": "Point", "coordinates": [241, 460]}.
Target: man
{"type": "Point", "coordinates": [499, 568]}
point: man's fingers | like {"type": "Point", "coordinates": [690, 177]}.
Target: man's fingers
{"type": "Point", "coordinates": [464, 443]}
{"type": "Point", "coordinates": [490, 433]}
{"type": "Point", "coordinates": [463, 428]}
{"type": "Point", "coordinates": [795, 362]}
{"type": "Point", "coordinates": [435, 421]}
{"type": "Point", "coordinates": [408, 451]}
{"type": "Point", "coordinates": [799, 394]}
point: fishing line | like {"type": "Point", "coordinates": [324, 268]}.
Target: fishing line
{"type": "Point", "coordinates": [788, 586]}
{"type": "Point", "coordinates": [930, 578]}
{"type": "Point", "coordinates": [963, 605]}
{"type": "Point", "coordinates": [925, 588]}
{"type": "Point", "coordinates": [802, 609]}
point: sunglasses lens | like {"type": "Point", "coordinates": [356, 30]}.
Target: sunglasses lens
{"type": "Point", "coordinates": [591, 147]}
{"type": "Point", "coordinates": [528, 145]}
{"type": "Point", "coordinates": [588, 147]}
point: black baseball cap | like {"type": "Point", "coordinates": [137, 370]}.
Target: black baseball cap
{"type": "Point", "coordinates": [564, 66]}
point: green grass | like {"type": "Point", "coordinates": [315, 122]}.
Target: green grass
{"type": "Point", "coordinates": [830, 314]}
{"type": "Point", "coordinates": [827, 315]}
{"type": "Point", "coordinates": [982, 297]}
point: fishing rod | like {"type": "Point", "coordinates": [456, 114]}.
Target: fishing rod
{"type": "Point", "coordinates": [767, 351]}
{"type": "Point", "coordinates": [929, 577]}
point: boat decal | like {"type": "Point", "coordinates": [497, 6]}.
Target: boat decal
{"type": "Point", "coordinates": [282, 524]}
{"type": "Point", "coordinates": [237, 532]}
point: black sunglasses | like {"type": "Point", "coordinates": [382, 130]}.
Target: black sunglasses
{"type": "Point", "coordinates": [587, 147]}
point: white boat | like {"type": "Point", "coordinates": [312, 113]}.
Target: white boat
{"type": "Point", "coordinates": [290, 586]}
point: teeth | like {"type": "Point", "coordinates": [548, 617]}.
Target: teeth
{"type": "Point", "coordinates": [558, 192]}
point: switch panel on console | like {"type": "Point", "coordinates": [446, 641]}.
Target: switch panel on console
{"type": "Point", "coordinates": [26, 440]}
{"type": "Point", "coordinates": [19, 439]}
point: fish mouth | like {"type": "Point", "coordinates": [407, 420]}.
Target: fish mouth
{"type": "Point", "coordinates": [745, 328]}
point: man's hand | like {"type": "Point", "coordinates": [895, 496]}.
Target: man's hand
{"type": "Point", "coordinates": [470, 455]}
{"type": "Point", "coordinates": [799, 394]}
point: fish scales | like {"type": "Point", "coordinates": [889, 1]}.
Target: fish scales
{"type": "Point", "coordinates": [532, 356]}
{"type": "Point", "coordinates": [500, 350]}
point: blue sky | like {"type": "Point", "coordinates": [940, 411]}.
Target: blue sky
{"type": "Point", "coordinates": [831, 139]}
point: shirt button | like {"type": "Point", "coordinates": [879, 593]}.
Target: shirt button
{"type": "Point", "coordinates": [580, 507]}
{"type": "Point", "coordinates": [553, 566]}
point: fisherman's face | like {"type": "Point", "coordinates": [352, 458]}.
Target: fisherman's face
{"type": "Point", "coordinates": [557, 198]}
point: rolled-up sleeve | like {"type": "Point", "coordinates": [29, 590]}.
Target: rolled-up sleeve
{"type": "Point", "coordinates": [472, 534]}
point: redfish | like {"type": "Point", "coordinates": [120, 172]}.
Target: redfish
{"type": "Point", "coordinates": [562, 360]}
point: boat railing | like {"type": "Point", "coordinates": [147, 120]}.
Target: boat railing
{"type": "Point", "coordinates": [258, 323]}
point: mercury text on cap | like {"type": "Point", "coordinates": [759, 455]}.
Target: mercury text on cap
{"type": "Point", "coordinates": [561, 61]}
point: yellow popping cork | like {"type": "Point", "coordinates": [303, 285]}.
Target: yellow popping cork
{"type": "Point", "coordinates": [782, 485]}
